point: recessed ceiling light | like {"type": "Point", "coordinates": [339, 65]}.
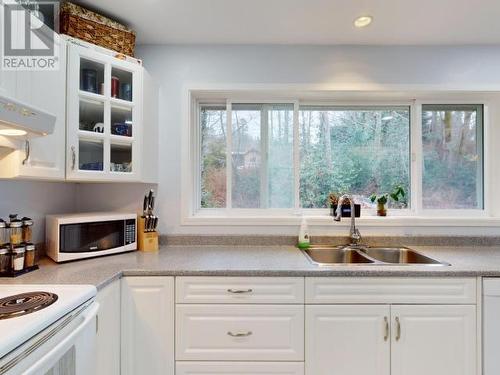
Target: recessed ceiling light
{"type": "Point", "coordinates": [363, 21]}
{"type": "Point", "coordinates": [12, 132]}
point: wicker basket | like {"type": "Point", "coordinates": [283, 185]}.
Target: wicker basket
{"type": "Point", "coordinates": [91, 27]}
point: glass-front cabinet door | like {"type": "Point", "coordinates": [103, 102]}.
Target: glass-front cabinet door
{"type": "Point", "coordinates": [104, 112]}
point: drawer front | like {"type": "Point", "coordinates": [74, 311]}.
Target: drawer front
{"type": "Point", "coordinates": [239, 368]}
{"type": "Point", "coordinates": [390, 290]}
{"type": "Point", "coordinates": [240, 332]}
{"type": "Point", "coordinates": [240, 290]}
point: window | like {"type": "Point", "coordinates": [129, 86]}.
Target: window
{"type": "Point", "coordinates": [262, 156]}
{"type": "Point", "coordinates": [213, 156]}
{"type": "Point", "coordinates": [452, 154]}
{"type": "Point", "coordinates": [286, 157]}
{"type": "Point", "coordinates": [353, 150]}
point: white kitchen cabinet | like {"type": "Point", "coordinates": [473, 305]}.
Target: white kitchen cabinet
{"type": "Point", "coordinates": [240, 290]}
{"type": "Point", "coordinates": [108, 331]}
{"type": "Point", "coordinates": [239, 368]}
{"type": "Point", "coordinates": [240, 332]}
{"type": "Point", "coordinates": [147, 326]}
{"type": "Point", "coordinates": [433, 340]}
{"type": "Point", "coordinates": [7, 77]}
{"type": "Point", "coordinates": [43, 157]}
{"type": "Point", "coordinates": [348, 339]}
{"type": "Point", "coordinates": [104, 116]}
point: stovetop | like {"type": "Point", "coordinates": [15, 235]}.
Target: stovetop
{"type": "Point", "coordinates": [26, 310]}
{"type": "Point", "coordinates": [25, 303]}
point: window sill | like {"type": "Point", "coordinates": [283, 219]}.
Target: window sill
{"type": "Point", "coordinates": [366, 221]}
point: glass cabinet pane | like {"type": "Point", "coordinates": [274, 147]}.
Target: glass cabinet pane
{"type": "Point", "coordinates": [121, 121]}
{"type": "Point", "coordinates": [91, 155]}
{"type": "Point", "coordinates": [91, 116]}
{"type": "Point", "coordinates": [91, 76]}
{"type": "Point", "coordinates": [121, 84]}
{"type": "Point", "coordinates": [121, 158]}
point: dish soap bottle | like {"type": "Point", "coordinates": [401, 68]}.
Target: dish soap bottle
{"type": "Point", "coordinates": [304, 240]}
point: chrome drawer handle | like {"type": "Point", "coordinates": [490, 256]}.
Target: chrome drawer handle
{"type": "Point", "coordinates": [386, 329]}
{"type": "Point", "coordinates": [239, 334]}
{"type": "Point", "coordinates": [239, 291]}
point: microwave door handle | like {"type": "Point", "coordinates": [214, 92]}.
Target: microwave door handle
{"type": "Point", "coordinates": [51, 358]}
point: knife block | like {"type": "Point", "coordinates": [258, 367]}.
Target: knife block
{"type": "Point", "coordinates": [147, 241]}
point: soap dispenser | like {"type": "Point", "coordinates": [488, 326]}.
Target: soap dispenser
{"type": "Point", "coordinates": [304, 239]}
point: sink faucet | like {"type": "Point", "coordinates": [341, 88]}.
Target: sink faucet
{"type": "Point", "coordinates": [353, 232]}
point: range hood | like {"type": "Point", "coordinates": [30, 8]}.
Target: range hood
{"type": "Point", "coordinates": [21, 121]}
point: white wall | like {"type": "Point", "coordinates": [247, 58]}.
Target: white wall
{"type": "Point", "coordinates": [35, 200]}
{"type": "Point", "coordinates": [181, 67]}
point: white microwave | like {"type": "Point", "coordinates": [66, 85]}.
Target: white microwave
{"type": "Point", "coordinates": [87, 235]}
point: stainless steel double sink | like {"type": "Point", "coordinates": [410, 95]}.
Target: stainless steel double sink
{"type": "Point", "coordinates": [366, 255]}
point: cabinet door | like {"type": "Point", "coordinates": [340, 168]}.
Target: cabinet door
{"type": "Point", "coordinates": [44, 90]}
{"type": "Point", "coordinates": [104, 122]}
{"type": "Point", "coordinates": [347, 340]}
{"type": "Point", "coordinates": [48, 92]}
{"type": "Point", "coordinates": [108, 332]}
{"type": "Point", "coordinates": [433, 340]}
{"type": "Point", "coordinates": [7, 77]}
{"type": "Point", "coordinates": [147, 325]}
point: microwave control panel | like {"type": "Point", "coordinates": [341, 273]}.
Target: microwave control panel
{"type": "Point", "coordinates": [129, 231]}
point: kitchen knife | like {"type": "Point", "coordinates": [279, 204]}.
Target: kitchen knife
{"type": "Point", "coordinates": [145, 206]}
{"type": "Point", "coordinates": [150, 199]}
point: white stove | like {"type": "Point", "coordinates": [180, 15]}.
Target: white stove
{"type": "Point", "coordinates": [44, 327]}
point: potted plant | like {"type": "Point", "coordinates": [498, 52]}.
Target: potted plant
{"type": "Point", "coordinates": [397, 194]}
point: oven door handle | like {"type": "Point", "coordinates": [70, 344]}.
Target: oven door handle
{"type": "Point", "coordinates": [51, 358]}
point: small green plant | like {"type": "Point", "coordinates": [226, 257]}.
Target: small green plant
{"type": "Point", "coordinates": [396, 195]}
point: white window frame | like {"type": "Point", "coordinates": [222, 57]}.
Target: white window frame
{"type": "Point", "coordinates": [193, 214]}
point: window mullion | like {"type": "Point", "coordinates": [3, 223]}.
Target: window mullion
{"type": "Point", "coordinates": [417, 164]}
{"type": "Point", "coordinates": [264, 152]}
{"type": "Point", "coordinates": [296, 156]}
{"type": "Point", "coordinates": [229, 161]}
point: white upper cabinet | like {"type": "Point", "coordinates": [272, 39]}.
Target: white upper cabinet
{"type": "Point", "coordinates": [41, 157]}
{"type": "Point", "coordinates": [104, 116]}
{"type": "Point", "coordinates": [7, 77]}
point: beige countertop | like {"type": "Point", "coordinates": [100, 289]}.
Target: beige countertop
{"type": "Point", "coordinates": [253, 261]}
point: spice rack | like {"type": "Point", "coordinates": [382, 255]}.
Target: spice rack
{"type": "Point", "coordinates": [17, 252]}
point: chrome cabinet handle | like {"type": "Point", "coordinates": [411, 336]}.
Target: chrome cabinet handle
{"type": "Point", "coordinates": [239, 291]}
{"type": "Point", "coordinates": [239, 334]}
{"type": "Point", "coordinates": [398, 329]}
{"type": "Point", "coordinates": [26, 152]}
{"type": "Point", "coordinates": [386, 328]}
{"type": "Point", "coordinates": [73, 157]}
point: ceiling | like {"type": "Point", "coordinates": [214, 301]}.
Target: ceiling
{"type": "Point", "coordinates": [396, 22]}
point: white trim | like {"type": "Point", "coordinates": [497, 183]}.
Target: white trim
{"type": "Point", "coordinates": [229, 155]}
{"type": "Point", "coordinates": [367, 221]}
{"type": "Point", "coordinates": [296, 157]}
{"type": "Point", "coordinates": [416, 160]}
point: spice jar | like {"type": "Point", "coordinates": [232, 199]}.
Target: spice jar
{"type": "Point", "coordinates": [18, 258]}
{"type": "Point", "coordinates": [27, 229]}
{"type": "Point", "coordinates": [4, 259]}
{"type": "Point", "coordinates": [29, 255]}
{"type": "Point", "coordinates": [16, 232]}
{"type": "Point", "coordinates": [4, 233]}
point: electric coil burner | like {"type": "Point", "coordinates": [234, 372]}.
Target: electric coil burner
{"type": "Point", "coordinates": [25, 303]}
